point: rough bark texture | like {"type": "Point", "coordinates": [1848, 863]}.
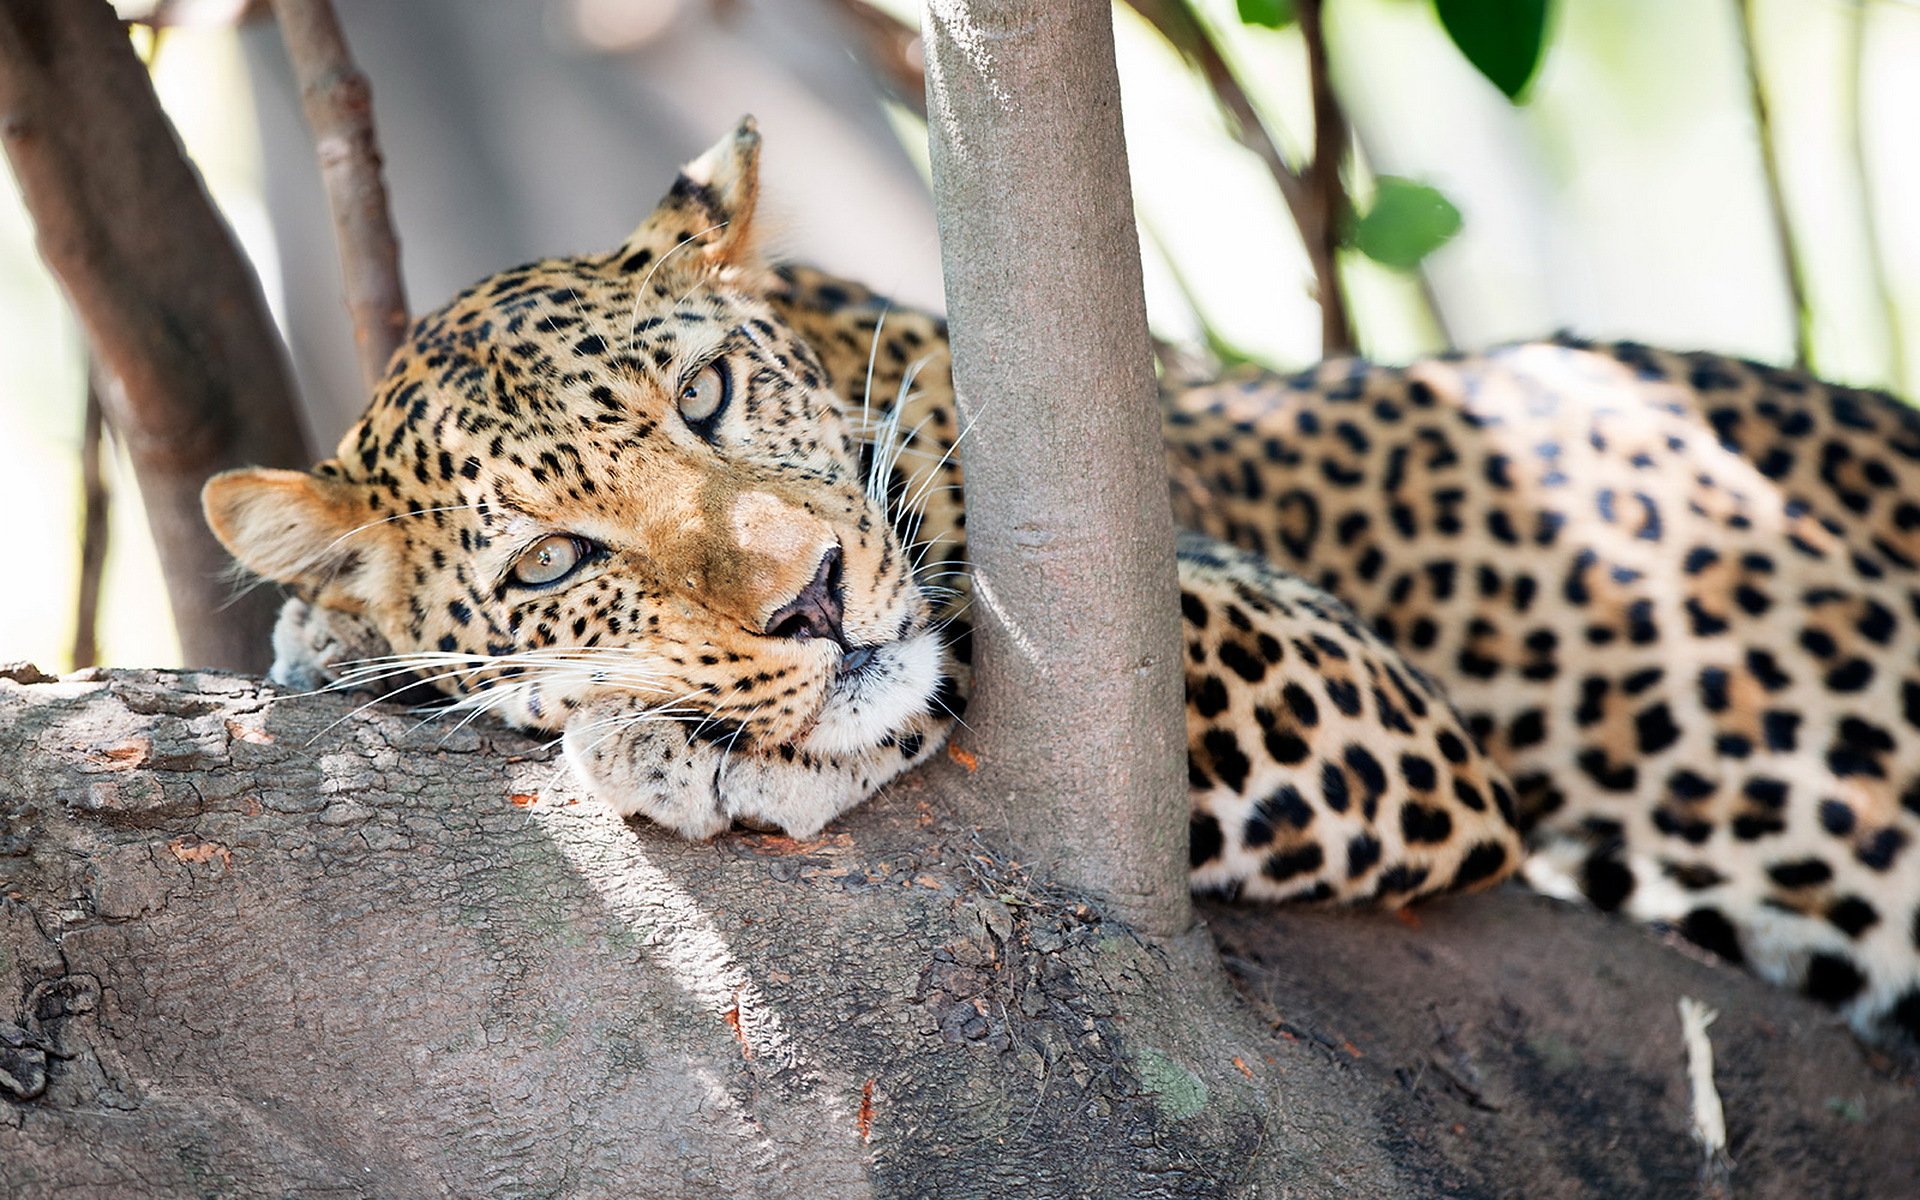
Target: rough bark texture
{"type": "Point", "coordinates": [338, 102]}
{"type": "Point", "coordinates": [273, 947]}
{"type": "Point", "coordinates": [1076, 712]}
{"type": "Point", "coordinates": [172, 309]}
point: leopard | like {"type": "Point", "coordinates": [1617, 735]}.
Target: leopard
{"type": "Point", "coordinates": [700, 515]}
{"type": "Point", "coordinates": [1636, 627]}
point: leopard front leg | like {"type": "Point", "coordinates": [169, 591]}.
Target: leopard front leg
{"type": "Point", "coordinates": [649, 768]}
{"type": "Point", "coordinates": [656, 769]}
{"type": "Point", "coordinates": [1322, 766]}
{"type": "Point", "coordinates": [696, 787]}
{"type": "Point", "coordinates": [799, 792]}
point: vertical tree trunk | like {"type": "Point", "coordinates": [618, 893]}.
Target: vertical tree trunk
{"type": "Point", "coordinates": [1076, 719]}
{"type": "Point", "coordinates": [171, 307]}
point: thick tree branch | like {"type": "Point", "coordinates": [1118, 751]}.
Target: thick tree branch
{"type": "Point", "coordinates": [260, 946]}
{"type": "Point", "coordinates": [1077, 714]}
{"type": "Point", "coordinates": [339, 106]}
{"type": "Point", "coordinates": [171, 307]}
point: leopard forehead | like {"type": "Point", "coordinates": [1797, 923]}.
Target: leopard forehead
{"type": "Point", "coordinates": [529, 362]}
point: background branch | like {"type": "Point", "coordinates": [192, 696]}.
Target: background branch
{"type": "Point", "coordinates": [891, 49]}
{"type": "Point", "coordinates": [172, 309]}
{"type": "Point", "coordinates": [1899, 372]}
{"type": "Point", "coordinates": [1305, 191]}
{"type": "Point", "coordinates": [339, 105]}
{"type": "Point", "coordinates": [1784, 240]}
{"type": "Point", "coordinates": [1327, 192]}
{"type": "Point", "coordinates": [95, 507]}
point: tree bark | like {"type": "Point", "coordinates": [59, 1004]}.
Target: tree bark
{"type": "Point", "coordinates": [171, 308]}
{"type": "Point", "coordinates": [1076, 719]}
{"type": "Point", "coordinates": [260, 945]}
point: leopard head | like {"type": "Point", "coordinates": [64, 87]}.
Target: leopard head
{"type": "Point", "coordinates": [615, 475]}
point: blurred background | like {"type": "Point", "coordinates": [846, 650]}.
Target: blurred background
{"type": "Point", "coordinates": [1610, 176]}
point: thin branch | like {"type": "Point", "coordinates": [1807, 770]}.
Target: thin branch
{"type": "Point", "coordinates": [95, 505]}
{"type": "Point", "coordinates": [1191, 364]}
{"type": "Point", "coordinates": [1324, 186]}
{"type": "Point", "coordinates": [1897, 365]}
{"type": "Point", "coordinates": [1176, 23]}
{"type": "Point", "coordinates": [171, 308]}
{"type": "Point", "coordinates": [339, 107]}
{"type": "Point", "coordinates": [892, 51]}
{"type": "Point", "coordinates": [1304, 191]}
{"type": "Point", "coordinates": [1776, 192]}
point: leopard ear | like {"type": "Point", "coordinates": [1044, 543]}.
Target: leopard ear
{"type": "Point", "coordinates": [706, 219]}
{"type": "Point", "coordinates": [295, 527]}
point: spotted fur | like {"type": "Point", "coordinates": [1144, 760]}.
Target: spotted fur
{"type": "Point", "coordinates": [1671, 595]}
{"type": "Point", "coordinates": [1674, 594]}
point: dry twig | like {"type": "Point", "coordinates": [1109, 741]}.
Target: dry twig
{"type": "Point", "coordinates": [339, 106]}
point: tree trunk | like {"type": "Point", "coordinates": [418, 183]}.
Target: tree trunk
{"type": "Point", "coordinates": [1076, 718]}
{"type": "Point", "coordinates": [264, 947]}
{"type": "Point", "coordinates": [172, 309]}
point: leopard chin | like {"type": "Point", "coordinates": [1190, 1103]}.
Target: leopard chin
{"type": "Point", "coordinates": [875, 699]}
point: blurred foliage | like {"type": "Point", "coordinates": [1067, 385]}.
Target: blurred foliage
{"type": "Point", "coordinates": [1504, 39]}
{"type": "Point", "coordinates": [1407, 221]}
{"type": "Point", "coordinates": [1274, 14]}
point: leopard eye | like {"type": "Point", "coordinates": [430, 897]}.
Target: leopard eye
{"type": "Point", "coordinates": [703, 399]}
{"type": "Point", "coordinates": [551, 559]}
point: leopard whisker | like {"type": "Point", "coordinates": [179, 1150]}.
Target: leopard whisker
{"type": "Point", "coordinates": [877, 474]}
{"type": "Point", "coordinates": [726, 751]}
{"type": "Point", "coordinates": [866, 391]}
{"type": "Point", "coordinates": [934, 473]}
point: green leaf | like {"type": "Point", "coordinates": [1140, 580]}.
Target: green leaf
{"type": "Point", "coordinates": [1274, 14]}
{"type": "Point", "coordinates": [1407, 222]}
{"type": "Point", "coordinates": [1503, 38]}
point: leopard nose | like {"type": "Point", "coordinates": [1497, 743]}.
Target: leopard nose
{"type": "Point", "coordinates": [817, 611]}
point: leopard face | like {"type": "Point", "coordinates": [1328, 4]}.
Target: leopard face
{"type": "Point", "coordinates": [616, 475]}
